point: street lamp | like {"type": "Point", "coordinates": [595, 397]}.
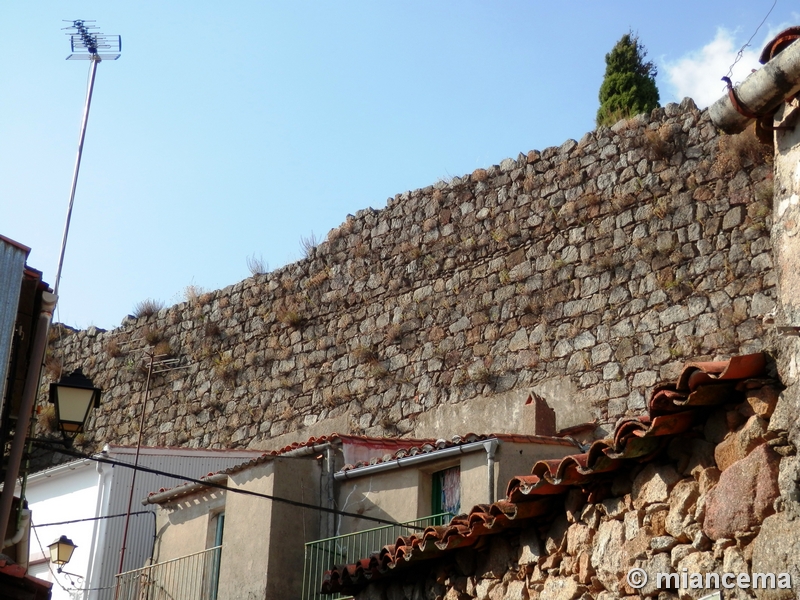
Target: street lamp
{"type": "Point", "coordinates": [61, 551]}
{"type": "Point", "coordinates": [74, 396]}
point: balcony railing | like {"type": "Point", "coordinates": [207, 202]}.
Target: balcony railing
{"type": "Point", "coordinates": [191, 577]}
{"type": "Point", "coordinates": [321, 555]}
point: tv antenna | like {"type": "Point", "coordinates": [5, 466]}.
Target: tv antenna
{"type": "Point", "coordinates": [86, 44]}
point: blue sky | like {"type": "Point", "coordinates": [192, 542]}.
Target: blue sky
{"type": "Point", "coordinates": [228, 131]}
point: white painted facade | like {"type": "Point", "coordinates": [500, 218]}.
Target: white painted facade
{"type": "Point", "coordinates": [66, 492]}
{"type": "Point", "coordinates": [86, 489]}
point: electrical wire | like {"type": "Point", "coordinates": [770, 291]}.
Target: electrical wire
{"type": "Point", "coordinates": [74, 588]}
{"type": "Point", "coordinates": [140, 512]}
{"type": "Point", "coordinates": [49, 564]}
{"type": "Point", "coordinates": [219, 486]}
{"type": "Point", "coordinates": [747, 44]}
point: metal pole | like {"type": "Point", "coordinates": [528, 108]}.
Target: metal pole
{"type": "Point", "coordinates": [133, 477]}
{"type": "Point", "coordinates": [92, 70]}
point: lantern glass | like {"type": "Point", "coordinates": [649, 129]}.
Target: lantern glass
{"type": "Point", "coordinates": [74, 396]}
{"type": "Point", "coordinates": [73, 407]}
{"type": "Point", "coordinates": [61, 550]}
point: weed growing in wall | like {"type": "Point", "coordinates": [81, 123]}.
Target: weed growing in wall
{"type": "Point", "coordinates": [393, 334]}
{"type": "Point", "coordinates": [257, 265]}
{"type": "Point", "coordinates": [225, 369]}
{"type": "Point", "coordinates": [152, 335]}
{"type": "Point", "coordinates": [46, 418]}
{"type": "Point", "coordinates": [147, 308]}
{"type": "Point", "coordinates": [307, 244]}
{"type": "Point", "coordinates": [365, 354]}
{"type": "Point", "coordinates": [113, 348]}
{"type": "Point", "coordinates": [163, 349]}
{"type": "Point", "coordinates": [52, 367]}
{"type": "Point", "coordinates": [659, 143]}
{"type": "Point", "coordinates": [291, 318]}
{"type": "Point", "coordinates": [738, 151]}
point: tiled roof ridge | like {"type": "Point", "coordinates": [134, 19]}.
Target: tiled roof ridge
{"type": "Point", "coordinates": [189, 487]}
{"type": "Point", "coordinates": [458, 440]}
{"type": "Point", "coordinates": [337, 437]}
{"type": "Point", "coordinates": [673, 410]}
{"type": "Point", "coordinates": [411, 442]}
{"type": "Point", "coordinates": [410, 446]}
{"type": "Point", "coordinates": [113, 447]}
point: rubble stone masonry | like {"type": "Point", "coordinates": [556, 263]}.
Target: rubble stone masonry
{"type": "Point", "coordinates": [605, 263]}
{"type": "Point", "coordinates": [713, 504]}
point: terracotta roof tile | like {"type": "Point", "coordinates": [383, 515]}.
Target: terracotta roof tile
{"type": "Point", "coordinates": [415, 447]}
{"type": "Point", "coordinates": [356, 439]}
{"type": "Point", "coordinates": [38, 589]}
{"type": "Point", "coordinates": [674, 409]}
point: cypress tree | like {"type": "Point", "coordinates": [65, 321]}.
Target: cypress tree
{"type": "Point", "coordinates": [629, 85]}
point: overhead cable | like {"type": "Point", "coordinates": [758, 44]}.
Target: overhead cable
{"type": "Point", "coordinates": [220, 486]}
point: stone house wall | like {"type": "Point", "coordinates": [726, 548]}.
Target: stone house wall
{"type": "Point", "coordinates": [603, 262]}
{"type": "Point", "coordinates": [708, 507]}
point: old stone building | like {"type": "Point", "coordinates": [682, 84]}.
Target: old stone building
{"type": "Point", "coordinates": [584, 277]}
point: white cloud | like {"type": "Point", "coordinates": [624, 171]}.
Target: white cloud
{"type": "Point", "coordinates": [698, 74]}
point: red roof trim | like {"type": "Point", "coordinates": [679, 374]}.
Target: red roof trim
{"type": "Point", "coordinates": [16, 244]}
{"type": "Point", "coordinates": [9, 568]}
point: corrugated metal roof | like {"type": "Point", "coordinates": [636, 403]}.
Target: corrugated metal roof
{"type": "Point", "coordinates": [673, 409]}
{"type": "Point", "coordinates": [12, 267]}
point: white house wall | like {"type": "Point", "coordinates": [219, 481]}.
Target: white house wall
{"type": "Point", "coordinates": [393, 495]}
{"type": "Point", "coordinates": [68, 493]}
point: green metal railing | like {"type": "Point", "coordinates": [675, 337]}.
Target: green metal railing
{"type": "Point", "coordinates": [322, 555]}
{"type": "Point", "coordinates": [192, 577]}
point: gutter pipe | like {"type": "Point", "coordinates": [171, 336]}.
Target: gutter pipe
{"type": "Point", "coordinates": [761, 92]}
{"type": "Point", "coordinates": [29, 393]}
{"type": "Point", "coordinates": [330, 466]}
{"type": "Point", "coordinates": [97, 548]}
{"type": "Point", "coordinates": [306, 450]}
{"type": "Point", "coordinates": [25, 521]}
{"type": "Point", "coordinates": [418, 459]}
{"type": "Point", "coordinates": [491, 448]}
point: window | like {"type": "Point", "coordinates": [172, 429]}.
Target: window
{"type": "Point", "coordinates": [218, 525]}
{"type": "Point", "coordinates": [446, 488]}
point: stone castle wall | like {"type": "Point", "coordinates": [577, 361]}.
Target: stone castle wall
{"type": "Point", "coordinates": [600, 264]}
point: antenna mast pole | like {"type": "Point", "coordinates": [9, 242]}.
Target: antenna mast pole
{"type": "Point", "coordinates": [81, 137]}
{"type": "Point", "coordinates": [85, 44]}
